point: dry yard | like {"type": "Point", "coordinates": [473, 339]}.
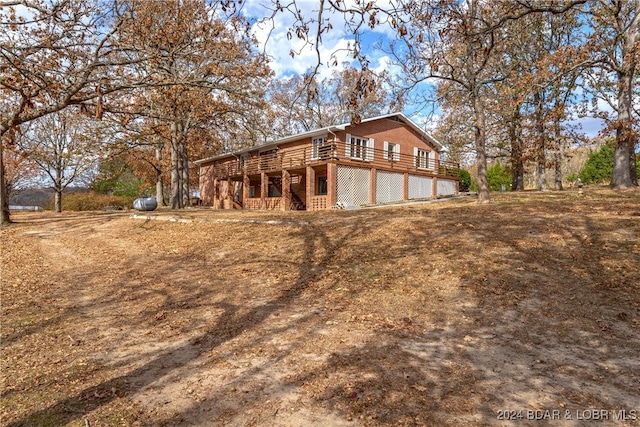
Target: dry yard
{"type": "Point", "coordinates": [443, 314]}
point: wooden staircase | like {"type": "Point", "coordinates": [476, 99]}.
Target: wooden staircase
{"type": "Point", "coordinates": [296, 202]}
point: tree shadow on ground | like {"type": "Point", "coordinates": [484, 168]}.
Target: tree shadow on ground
{"type": "Point", "coordinates": [232, 320]}
{"type": "Point", "coordinates": [535, 312]}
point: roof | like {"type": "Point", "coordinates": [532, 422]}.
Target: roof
{"type": "Point", "coordinates": [323, 131]}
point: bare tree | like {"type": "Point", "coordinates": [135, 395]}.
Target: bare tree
{"type": "Point", "coordinates": [615, 43]}
{"type": "Point", "coordinates": [59, 53]}
{"type": "Point", "coordinates": [65, 147]}
{"type": "Point", "coordinates": [210, 76]}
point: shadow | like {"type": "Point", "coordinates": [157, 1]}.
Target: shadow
{"type": "Point", "coordinates": [233, 319]}
{"type": "Point", "coordinates": [412, 316]}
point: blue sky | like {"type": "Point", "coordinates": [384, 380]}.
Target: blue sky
{"type": "Point", "coordinates": [335, 43]}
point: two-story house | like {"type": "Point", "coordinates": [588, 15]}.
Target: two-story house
{"type": "Point", "coordinates": [380, 160]}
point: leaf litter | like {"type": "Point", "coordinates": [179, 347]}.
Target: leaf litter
{"type": "Point", "coordinates": [439, 314]}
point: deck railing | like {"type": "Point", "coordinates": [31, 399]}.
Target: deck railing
{"type": "Point", "coordinates": [334, 151]}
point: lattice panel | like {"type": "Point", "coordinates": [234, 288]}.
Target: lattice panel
{"type": "Point", "coordinates": [389, 186]}
{"type": "Point", "coordinates": [446, 187]}
{"type": "Point", "coordinates": [419, 187]}
{"type": "Point", "coordinates": [353, 185]}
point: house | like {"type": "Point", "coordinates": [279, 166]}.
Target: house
{"type": "Point", "coordinates": [381, 159]}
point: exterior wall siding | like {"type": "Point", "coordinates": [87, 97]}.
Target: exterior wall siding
{"type": "Point", "coordinates": [390, 131]}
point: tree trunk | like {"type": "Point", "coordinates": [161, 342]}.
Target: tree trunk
{"type": "Point", "coordinates": [517, 164]}
{"type": "Point", "coordinates": [4, 197]}
{"type": "Point", "coordinates": [481, 157]}
{"type": "Point", "coordinates": [541, 151]}
{"type": "Point", "coordinates": [633, 171]}
{"type": "Point", "coordinates": [625, 143]}
{"type": "Point", "coordinates": [621, 177]}
{"type": "Point", "coordinates": [159, 185]}
{"type": "Point", "coordinates": [517, 175]}
{"type": "Point", "coordinates": [558, 169]}
{"type": "Point", "coordinates": [558, 156]}
{"type": "Point", "coordinates": [176, 187]}
{"type": "Point", "coordinates": [186, 194]}
{"type": "Point", "coordinates": [176, 175]}
{"type": "Point", "coordinates": [159, 189]}
{"type": "Point", "coordinates": [58, 201]}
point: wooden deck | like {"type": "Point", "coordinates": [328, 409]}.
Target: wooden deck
{"type": "Point", "coordinates": [332, 152]}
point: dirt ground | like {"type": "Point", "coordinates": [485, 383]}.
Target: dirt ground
{"type": "Point", "coordinates": [522, 312]}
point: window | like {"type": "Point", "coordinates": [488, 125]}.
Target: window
{"type": "Point", "coordinates": [359, 148]}
{"type": "Point", "coordinates": [391, 151]}
{"type": "Point", "coordinates": [274, 188]}
{"type": "Point", "coordinates": [268, 159]}
{"type": "Point", "coordinates": [322, 186]}
{"type": "Point", "coordinates": [422, 158]}
{"type": "Point", "coordinates": [244, 160]}
{"type": "Point", "coordinates": [320, 149]}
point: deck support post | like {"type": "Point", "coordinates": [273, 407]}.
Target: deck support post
{"type": "Point", "coordinates": [246, 188]}
{"type": "Point", "coordinates": [434, 186]}
{"type": "Point", "coordinates": [286, 190]}
{"type": "Point", "coordinates": [372, 185]}
{"type": "Point", "coordinates": [332, 184]}
{"type": "Point", "coordinates": [405, 187]}
{"type": "Point", "coordinates": [310, 184]}
{"type": "Point", "coordinates": [216, 194]}
{"type": "Point", "coordinates": [264, 190]}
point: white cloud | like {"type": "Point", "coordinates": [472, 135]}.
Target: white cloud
{"type": "Point", "coordinates": [335, 47]}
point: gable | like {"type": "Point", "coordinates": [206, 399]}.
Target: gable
{"type": "Point", "coordinates": [394, 131]}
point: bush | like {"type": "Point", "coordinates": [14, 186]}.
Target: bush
{"type": "Point", "coordinates": [599, 166]}
{"type": "Point", "coordinates": [498, 176]}
{"type": "Point", "coordinates": [572, 177]}
{"type": "Point", "coordinates": [91, 201]}
{"type": "Point", "coordinates": [465, 180]}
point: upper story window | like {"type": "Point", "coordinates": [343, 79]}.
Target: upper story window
{"type": "Point", "coordinates": [268, 158]}
{"type": "Point", "coordinates": [244, 160]}
{"type": "Point", "coordinates": [319, 148]}
{"type": "Point", "coordinates": [422, 158]}
{"type": "Point", "coordinates": [359, 148]}
{"type": "Point", "coordinates": [391, 151]}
